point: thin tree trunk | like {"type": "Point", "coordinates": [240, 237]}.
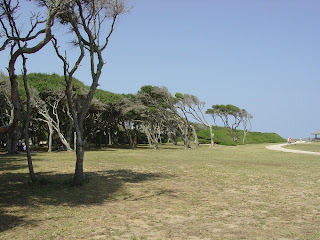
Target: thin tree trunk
{"type": "Point", "coordinates": [27, 122]}
{"type": "Point", "coordinates": [50, 138]}
{"type": "Point", "coordinates": [109, 136]}
{"type": "Point", "coordinates": [75, 141]}
{"type": "Point", "coordinates": [244, 136]}
{"type": "Point", "coordinates": [211, 136]}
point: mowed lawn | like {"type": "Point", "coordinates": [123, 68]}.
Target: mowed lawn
{"type": "Point", "coordinates": [243, 192]}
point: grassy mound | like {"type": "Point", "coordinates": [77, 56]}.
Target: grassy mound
{"type": "Point", "coordinates": [223, 137]}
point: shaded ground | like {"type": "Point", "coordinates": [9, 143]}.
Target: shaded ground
{"type": "Point", "coordinates": [243, 192]}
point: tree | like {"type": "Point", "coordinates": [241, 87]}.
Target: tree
{"type": "Point", "coordinates": [87, 21]}
{"type": "Point", "coordinates": [225, 112]}
{"type": "Point", "coordinates": [194, 107]}
{"type": "Point", "coordinates": [48, 110]}
{"type": "Point", "coordinates": [38, 35]}
{"type": "Point", "coordinates": [21, 41]}
{"type": "Point", "coordinates": [246, 122]}
{"type": "Point", "coordinates": [6, 108]}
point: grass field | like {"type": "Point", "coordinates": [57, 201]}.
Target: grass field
{"type": "Point", "coordinates": [313, 147]}
{"type": "Point", "coordinates": [242, 192]}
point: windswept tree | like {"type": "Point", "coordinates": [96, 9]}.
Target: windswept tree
{"type": "Point", "coordinates": [230, 115]}
{"type": "Point", "coordinates": [246, 122]}
{"type": "Point", "coordinates": [48, 109]}
{"type": "Point", "coordinates": [149, 111]}
{"type": "Point", "coordinates": [20, 40]}
{"type": "Point", "coordinates": [194, 107]}
{"type": "Point", "coordinates": [88, 21]}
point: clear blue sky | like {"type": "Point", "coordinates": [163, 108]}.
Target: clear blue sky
{"type": "Point", "coordinates": [261, 55]}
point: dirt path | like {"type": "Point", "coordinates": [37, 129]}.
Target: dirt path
{"type": "Point", "coordinates": [279, 147]}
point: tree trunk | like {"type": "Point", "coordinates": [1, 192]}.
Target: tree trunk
{"type": "Point", "coordinates": [155, 143]}
{"type": "Point", "coordinates": [12, 141]}
{"type": "Point", "coordinates": [69, 133]}
{"type": "Point", "coordinates": [186, 138]}
{"type": "Point", "coordinates": [27, 122]}
{"type": "Point", "coordinates": [78, 174]}
{"type": "Point", "coordinates": [30, 165]}
{"type": "Point", "coordinates": [211, 136]}
{"type": "Point", "coordinates": [174, 138]}
{"type": "Point", "coordinates": [64, 142]}
{"type": "Point", "coordinates": [50, 138]}
{"type": "Point", "coordinates": [75, 141]}
{"type": "Point", "coordinates": [196, 141]}
{"type": "Point", "coordinates": [147, 134]}
{"type": "Point", "coordinates": [109, 136]}
{"type": "Point", "coordinates": [135, 140]}
{"type": "Point", "coordinates": [244, 136]}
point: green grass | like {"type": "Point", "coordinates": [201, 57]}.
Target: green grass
{"type": "Point", "coordinates": [222, 136]}
{"type": "Point", "coordinates": [241, 192]}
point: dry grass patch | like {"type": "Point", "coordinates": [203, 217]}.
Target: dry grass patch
{"type": "Point", "coordinates": [223, 193]}
{"type": "Point", "coordinates": [313, 147]}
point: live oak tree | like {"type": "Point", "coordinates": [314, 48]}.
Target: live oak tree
{"type": "Point", "coordinates": [194, 107]}
{"type": "Point", "coordinates": [87, 21]}
{"type": "Point", "coordinates": [48, 109]}
{"type": "Point", "coordinates": [230, 115]}
{"type": "Point", "coordinates": [21, 41]}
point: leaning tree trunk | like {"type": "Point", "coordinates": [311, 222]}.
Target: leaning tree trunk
{"type": "Point", "coordinates": [26, 137]}
{"type": "Point", "coordinates": [50, 138]}
{"type": "Point", "coordinates": [27, 122]}
{"type": "Point", "coordinates": [64, 141]}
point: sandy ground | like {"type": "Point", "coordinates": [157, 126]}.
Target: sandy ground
{"type": "Point", "coordinates": [279, 147]}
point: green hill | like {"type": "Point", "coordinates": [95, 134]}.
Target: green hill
{"type": "Point", "coordinates": [222, 136]}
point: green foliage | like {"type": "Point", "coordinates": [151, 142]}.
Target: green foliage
{"type": "Point", "coordinates": [179, 95]}
{"type": "Point", "coordinates": [48, 82]}
{"type": "Point", "coordinates": [224, 109]}
{"type": "Point", "coordinates": [108, 97]}
{"type": "Point", "coordinates": [259, 137]}
{"type": "Point", "coordinates": [222, 136]}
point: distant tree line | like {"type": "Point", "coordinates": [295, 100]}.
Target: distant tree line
{"type": "Point", "coordinates": [152, 116]}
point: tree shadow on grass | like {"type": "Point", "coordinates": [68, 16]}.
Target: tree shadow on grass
{"type": "Point", "coordinates": [53, 189]}
{"type": "Point", "coordinates": [11, 162]}
{"type": "Point", "coordinates": [8, 221]}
